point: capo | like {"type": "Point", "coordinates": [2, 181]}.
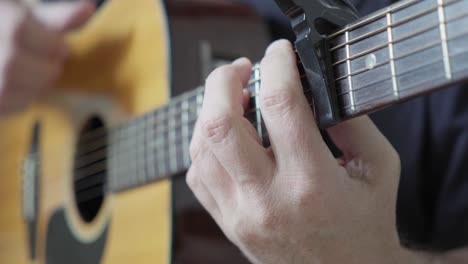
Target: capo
{"type": "Point", "coordinates": [312, 21]}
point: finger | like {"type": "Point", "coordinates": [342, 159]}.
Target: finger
{"type": "Point", "coordinates": [360, 139]}
{"type": "Point", "coordinates": [225, 129]}
{"type": "Point", "coordinates": [209, 171]}
{"type": "Point", "coordinates": [243, 66]}
{"type": "Point", "coordinates": [64, 16]}
{"type": "Point", "coordinates": [26, 77]}
{"type": "Point", "coordinates": [202, 193]}
{"type": "Point", "coordinates": [288, 117]}
{"type": "Point", "coordinates": [42, 41]}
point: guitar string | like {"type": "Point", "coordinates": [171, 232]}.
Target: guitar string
{"type": "Point", "coordinates": [370, 20]}
{"type": "Point", "coordinates": [375, 16]}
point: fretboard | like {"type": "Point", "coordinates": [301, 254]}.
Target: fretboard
{"type": "Point", "coordinates": [410, 48]}
{"type": "Point", "coordinates": [407, 49]}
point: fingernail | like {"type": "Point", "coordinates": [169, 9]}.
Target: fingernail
{"type": "Point", "coordinates": [279, 44]}
{"type": "Point", "coordinates": [241, 61]}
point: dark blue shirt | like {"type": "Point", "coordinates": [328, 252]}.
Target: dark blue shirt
{"type": "Point", "coordinates": [431, 135]}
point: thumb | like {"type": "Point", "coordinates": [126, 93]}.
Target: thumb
{"type": "Point", "coordinates": [64, 16]}
{"type": "Point", "coordinates": [359, 138]}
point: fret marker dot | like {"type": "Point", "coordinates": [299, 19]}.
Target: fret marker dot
{"type": "Point", "coordinates": [371, 61]}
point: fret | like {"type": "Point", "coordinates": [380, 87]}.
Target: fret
{"type": "Point", "coordinates": [149, 147]}
{"type": "Point", "coordinates": [199, 102]}
{"type": "Point", "coordinates": [185, 134]}
{"type": "Point", "coordinates": [392, 56]}
{"type": "Point", "coordinates": [142, 159]}
{"type": "Point", "coordinates": [172, 159]}
{"type": "Point", "coordinates": [156, 123]}
{"type": "Point", "coordinates": [119, 177]}
{"type": "Point", "coordinates": [444, 41]}
{"type": "Point", "coordinates": [112, 151]}
{"type": "Point", "coordinates": [348, 68]}
{"type": "Point", "coordinates": [457, 31]}
{"type": "Point", "coordinates": [134, 147]}
{"type": "Point", "coordinates": [124, 157]}
{"type": "Point", "coordinates": [257, 86]}
{"type": "Point", "coordinates": [161, 142]}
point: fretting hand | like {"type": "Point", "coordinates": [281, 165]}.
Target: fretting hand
{"type": "Point", "coordinates": [33, 48]}
{"type": "Point", "coordinates": [293, 202]}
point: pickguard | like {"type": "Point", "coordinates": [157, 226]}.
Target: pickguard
{"type": "Point", "coordinates": [63, 247]}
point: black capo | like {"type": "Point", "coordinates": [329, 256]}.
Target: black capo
{"type": "Point", "coordinates": [312, 21]}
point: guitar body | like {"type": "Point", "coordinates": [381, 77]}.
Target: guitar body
{"type": "Point", "coordinates": [119, 68]}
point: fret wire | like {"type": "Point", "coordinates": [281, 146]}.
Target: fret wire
{"type": "Point", "coordinates": [350, 80]}
{"type": "Point", "coordinates": [151, 163]}
{"type": "Point", "coordinates": [392, 56]}
{"type": "Point", "coordinates": [135, 146]}
{"type": "Point", "coordinates": [185, 134]}
{"type": "Point", "coordinates": [443, 36]}
{"type": "Point", "coordinates": [172, 151]}
{"type": "Point", "coordinates": [143, 170]}
{"type": "Point", "coordinates": [257, 101]}
{"type": "Point", "coordinates": [160, 151]}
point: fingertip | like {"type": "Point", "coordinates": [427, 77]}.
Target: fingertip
{"type": "Point", "coordinates": [243, 67]}
{"type": "Point", "coordinates": [242, 62]}
{"type": "Point", "coordinates": [281, 44]}
{"type": "Point", "coordinates": [83, 11]}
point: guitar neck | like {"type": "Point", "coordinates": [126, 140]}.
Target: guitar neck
{"type": "Point", "coordinates": [410, 48]}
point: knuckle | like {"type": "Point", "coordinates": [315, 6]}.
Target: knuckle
{"type": "Point", "coordinates": [194, 150]}
{"type": "Point", "coordinates": [192, 180]}
{"type": "Point", "coordinates": [256, 225]}
{"type": "Point", "coordinates": [279, 101]}
{"type": "Point", "coordinates": [266, 221]}
{"type": "Point", "coordinates": [216, 130]}
{"type": "Point", "coordinates": [247, 234]}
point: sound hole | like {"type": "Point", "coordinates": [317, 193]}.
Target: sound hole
{"type": "Point", "coordinates": [90, 169]}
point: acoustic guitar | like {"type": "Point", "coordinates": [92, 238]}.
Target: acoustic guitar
{"type": "Point", "coordinates": [86, 174]}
